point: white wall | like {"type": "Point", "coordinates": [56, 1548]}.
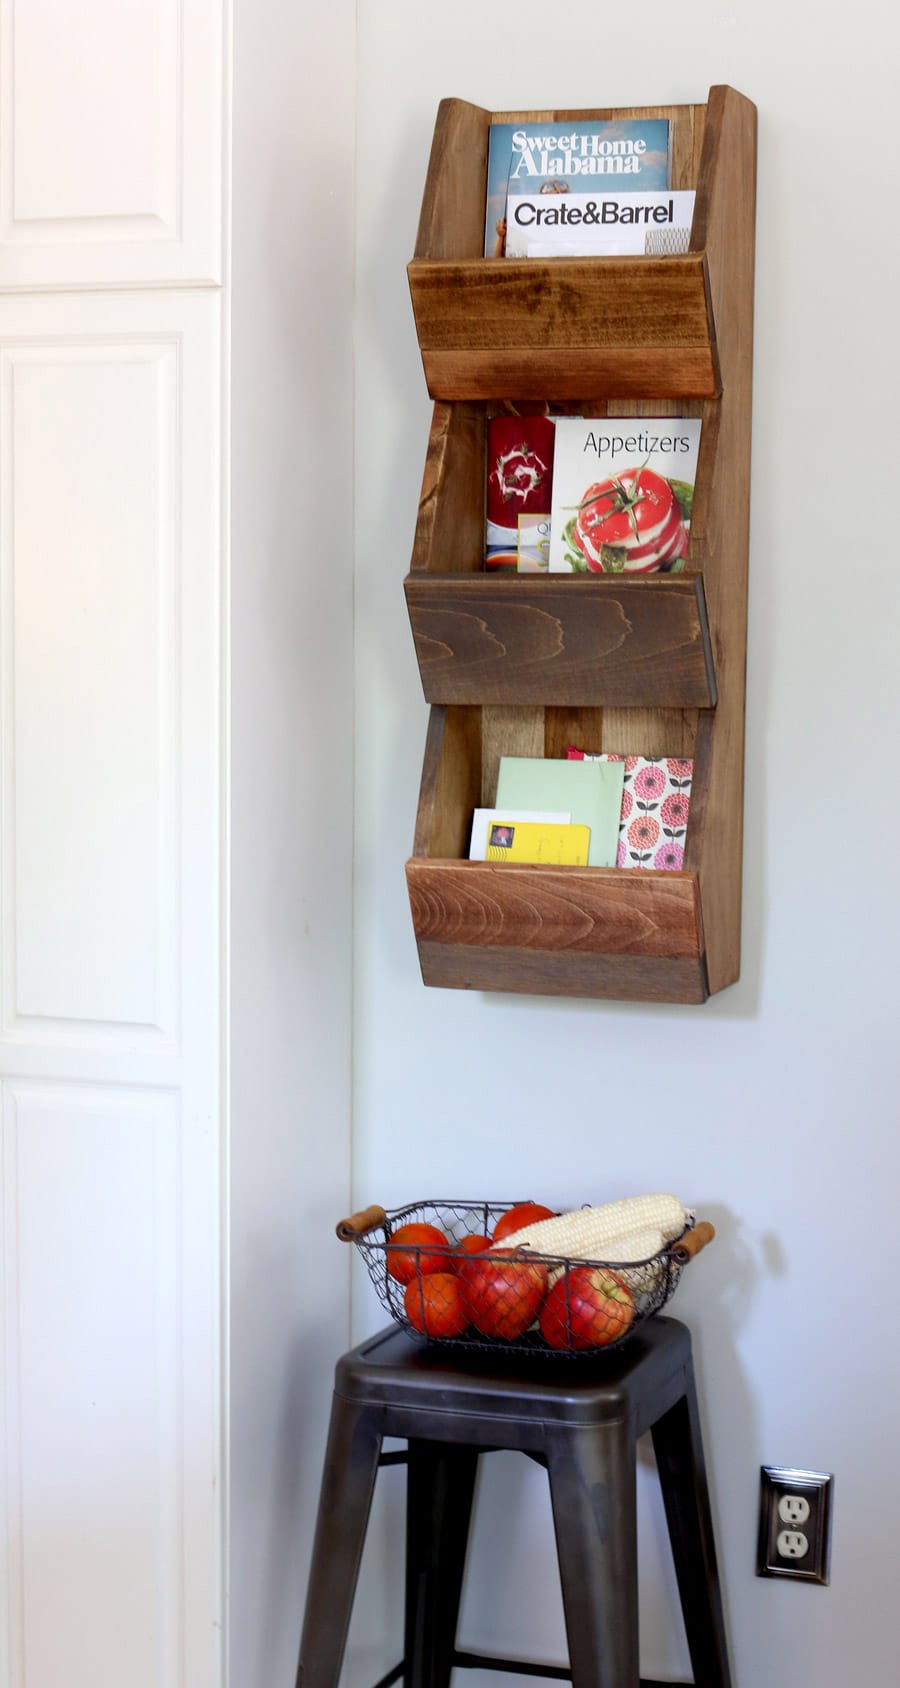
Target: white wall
{"type": "Point", "coordinates": [291, 798]}
{"type": "Point", "coordinates": [773, 1108]}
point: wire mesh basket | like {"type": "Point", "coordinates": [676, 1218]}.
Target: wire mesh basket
{"type": "Point", "coordinates": [444, 1280]}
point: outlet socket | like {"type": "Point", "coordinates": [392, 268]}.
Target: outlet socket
{"type": "Point", "coordinates": [794, 1524]}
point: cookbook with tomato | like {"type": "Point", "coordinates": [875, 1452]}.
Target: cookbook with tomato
{"type": "Point", "coordinates": [623, 492]}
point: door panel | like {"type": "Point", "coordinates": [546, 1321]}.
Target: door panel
{"type": "Point", "coordinates": [110, 142]}
{"type": "Point", "coordinates": [92, 1291]}
{"type": "Point", "coordinates": [90, 482]}
{"type": "Point", "coordinates": [110, 906]}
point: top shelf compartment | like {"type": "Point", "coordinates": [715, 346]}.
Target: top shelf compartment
{"type": "Point", "coordinates": [522, 328]}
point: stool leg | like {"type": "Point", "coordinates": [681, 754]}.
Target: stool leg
{"type": "Point", "coordinates": [593, 1490]}
{"type": "Point", "coordinates": [348, 1480]}
{"type": "Point", "coordinates": [440, 1490]}
{"type": "Point", "coordinates": [678, 1446]}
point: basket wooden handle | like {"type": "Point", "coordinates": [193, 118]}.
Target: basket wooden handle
{"type": "Point", "coordinates": [692, 1241]}
{"type": "Point", "coordinates": [359, 1223]}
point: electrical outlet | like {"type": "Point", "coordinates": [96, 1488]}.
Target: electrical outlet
{"type": "Point", "coordinates": [794, 1524]}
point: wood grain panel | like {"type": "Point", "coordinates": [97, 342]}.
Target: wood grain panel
{"type": "Point", "coordinates": [623, 978]}
{"type": "Point", "coordinates": [638, 326]}
{"type": "Point", "coordinates": [527, 373]}
{"type": "Point", "coordinates": [647, 303]}
{"type": "Point", "coordinates": [607, 911]}
{"type": "Point", "coordinates": [725, 221]}
{"type": "Point", "coordinates": [562, 640]}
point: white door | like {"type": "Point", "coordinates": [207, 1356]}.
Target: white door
{"type": "Point", "coordinates": [110, 844]}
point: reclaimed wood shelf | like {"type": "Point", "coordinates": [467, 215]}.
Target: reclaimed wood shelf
{"type": "Point", "coordinates": [637, 327]}
{"type": "Point", "coordinates": [528, 664]}
{"type": "Point", "coordinates": [558, 931]}
{"type": "Point", "coordinates": [487, 638]}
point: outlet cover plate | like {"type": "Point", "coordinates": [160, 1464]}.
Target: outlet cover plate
{"type": "Point", "coordinates": [815, 1487]}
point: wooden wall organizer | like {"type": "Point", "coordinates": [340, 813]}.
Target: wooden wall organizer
{"type": "Point", "coordinates": [526, 665]}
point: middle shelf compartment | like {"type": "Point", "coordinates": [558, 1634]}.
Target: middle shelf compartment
{"type": "Point", "coordinates": [482, 637]}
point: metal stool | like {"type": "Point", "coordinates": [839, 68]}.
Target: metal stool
{"type": "Point", "coordinates": [578, 1418]}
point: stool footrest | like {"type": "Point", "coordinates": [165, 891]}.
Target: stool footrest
{"type": "Point", "coordinates": [518, 1667]}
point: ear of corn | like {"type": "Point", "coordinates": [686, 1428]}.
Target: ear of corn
{"type": "Point", "coordinates": [592, 1233]}
{"type": "Point", "coordinates": [636, 1245]}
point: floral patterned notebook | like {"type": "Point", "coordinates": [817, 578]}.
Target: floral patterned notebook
{"type": "Point", "coordinates": [656, 799]}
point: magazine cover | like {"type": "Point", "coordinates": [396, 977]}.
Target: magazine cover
{"type": "Point", "coordinates": [598, 224]}
{"type": "Point", "coordinates": [519, 486]}
{"type": "Point", "coordinates": [623, 492]}
{"type": "Point", "coordinates": [570, 156]}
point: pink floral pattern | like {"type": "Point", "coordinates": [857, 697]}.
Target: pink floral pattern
{"type": "Point", "coordinates": [649, 782]}
{"type": "Point", "coordinates": [643, 832]}
{"type": "Point", "coordinates": [669, 856]}
{"type": "Point", "coordinates": [656, 797]}
{"type": "Point", "coordinates": [674, 811]}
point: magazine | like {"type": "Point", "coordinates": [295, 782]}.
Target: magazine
{"type": "Point", "coordinates": [532, 157]}
{"type": "Point", "coordinates": [623, 492]}
{"type": "Point", "coordinates": [579, 225]}
{"type": "Point", "coordinates": [519, 484]}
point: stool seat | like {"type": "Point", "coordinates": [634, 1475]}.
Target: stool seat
{"type": "Point", "coordinates": [409, 1377]}
{"type": "Point", "coordinates": [580, 1417]}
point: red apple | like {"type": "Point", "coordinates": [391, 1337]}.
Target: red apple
{"type": "Point", "coordinates": [410, 1252]}
{"type": "Point", "coordinates": [587, 1307]}
{"type": "Point", "coordinates": [466, 1247]}
{"type": "Point", "coordinates": [516, 1218]}
{"type": "Point", "coordinates": [434, 1304]}
{"type": "Point", "coordinates": [503, 1291]}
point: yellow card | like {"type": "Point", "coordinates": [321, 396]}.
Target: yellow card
{"type": "Point", "coordinates": [536, 841]}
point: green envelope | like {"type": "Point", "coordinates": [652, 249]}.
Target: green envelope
{"type": "Point", "coordinates": [591, 791]}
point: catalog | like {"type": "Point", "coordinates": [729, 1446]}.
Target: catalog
{"type": "Point", "coordinates": [577, 225]}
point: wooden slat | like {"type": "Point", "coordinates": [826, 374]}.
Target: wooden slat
{"type": "Point", "coordinates": [623, 978]}
{"type": "Point", "coordinates": [528, 372]}
{"type": "Point", "coordinates": [507, 731]}
{"type": "Point", "coordinates": [597, 911]}
{"type": "Point", "coordinates": [451, 221]}
{"type": "Point", "coordinates": [562, 639]}
{"type": "Point", "coordinates": [725, 218]}
{"type": "Point", "coordinates": [569, 303]}
{"type": "Point", "coordinates": [450, 523]}
{"type": "Point", "coordinates": [451, 782]}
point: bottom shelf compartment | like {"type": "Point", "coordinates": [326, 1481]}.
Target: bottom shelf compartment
{"type": "Point", "coordinates": [619, 933]}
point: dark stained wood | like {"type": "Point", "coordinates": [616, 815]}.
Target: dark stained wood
{"type": "Point", "coordinates": [623, 978]}
{"type": "Point", "coordinates": [650, 304]}
{"type": "Point", "coordinates": [450, 523]}
{"type": "Point", "coordinates": [725, 223]}
{"type": "Point", "coordinates": [526, 374]}
{"type": "Point", "coordinates": [580, 727]}
{"type": "Point", "coordinates": [451, 221]}
{"type": "Point", "coordinates": [640, 327]}
{"type": "Point", "coordinates": [451, 783]}
{"type": "Point", "coordinates": [637, 326]}
{"type": "Point", "coordinates": [562, 639]}
{"type": "Point", "coordinates": [605, 911]}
